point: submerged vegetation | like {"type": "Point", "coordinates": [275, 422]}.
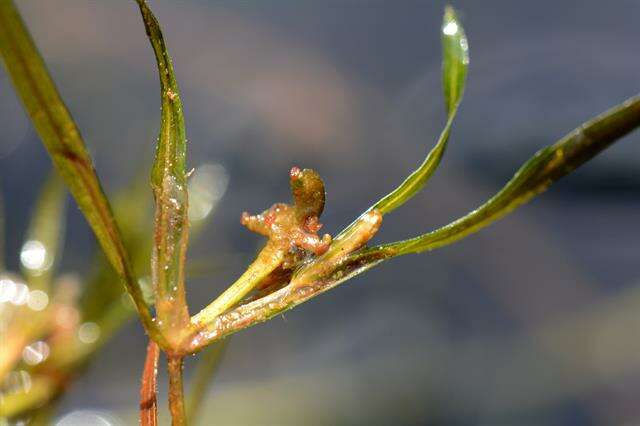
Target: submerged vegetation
{"type": "Point", "coordinates": [296, 264]}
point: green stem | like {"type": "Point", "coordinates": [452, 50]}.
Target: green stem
{"type": "Point", "coordinates": [322, 274]}
{"type": "Point", "coordinates": [267, 261]}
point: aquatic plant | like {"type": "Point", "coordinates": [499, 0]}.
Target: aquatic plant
{"type": "Point", "coordinates": [297, 263]}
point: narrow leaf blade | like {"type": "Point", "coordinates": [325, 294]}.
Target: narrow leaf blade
{"type": "Point", "coordinates": [63, 141]}
{"type": "Point", "coordinates": [455, 62]}
{"type": "Point", "coordinates": [535, 176]}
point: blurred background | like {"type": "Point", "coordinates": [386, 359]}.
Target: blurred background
{"type": "Point", "coordinates": [534, 321]}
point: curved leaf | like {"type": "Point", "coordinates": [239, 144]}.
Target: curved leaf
{"type": "Point", "coordinates": [455, 61]}
{"type": "Point", "coordinates": [535, 176]}
{"type": "Point", "coordinates": [547, 166]}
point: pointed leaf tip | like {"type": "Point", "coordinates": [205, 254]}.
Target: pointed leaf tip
{"type": "Point", "coordinates": [169, 184]}
{"type": "Point", "coordinates": [455, 60]}
{"type": "Point", "coordinates": [455, 53]}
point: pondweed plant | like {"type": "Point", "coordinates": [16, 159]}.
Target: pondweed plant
{"type": "Point", "coordinates": [296, 263]}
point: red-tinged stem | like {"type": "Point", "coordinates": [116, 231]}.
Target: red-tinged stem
{"type": "Point", "coordinates": [176, 393]}
{"type": "Point", "coordinates": [148, 388]}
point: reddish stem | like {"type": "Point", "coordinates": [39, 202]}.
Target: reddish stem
{"type": "Point", "coordinates": [148, 388]}
{"type": "Point", "coordinates": [176, 393]}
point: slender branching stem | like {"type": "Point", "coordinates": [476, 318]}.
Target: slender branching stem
{"type": "Point", "coordinates": [176, 391]}
{"type": "Point", "coordinates": [318, 276]}
{"type": "Point", "coordinates": [267, 261]}
{"type": "Point", "coordinates": [348, 257]}
{"type": "Point", "coordinates": [149, 387]}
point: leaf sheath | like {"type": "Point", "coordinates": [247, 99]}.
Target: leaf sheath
{"type": "Point", "coordinates": [168, 181]}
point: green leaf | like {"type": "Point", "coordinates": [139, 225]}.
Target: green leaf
{"type": "Point", "coordinates": [455, 61]}
{"type": "Point", "coordinates": [45, 235]}
{"type": "Point", "coordinates": [168, 181]}
{"type": "Point", "coordinates": [99, 294]}
{"type": "Point", "coordinates": [536, 175]}
{"type": "Point", "coordinates": [62, 139]}
{"type": "Point", "coordinates": [547, 166]}
{"type": "Point", "coordinates": [172, 143]}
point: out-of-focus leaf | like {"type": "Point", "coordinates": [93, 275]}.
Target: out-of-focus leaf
{"type": "Point", "coordinates": [61, 137]}
{"type": "Point", "coordinates": [536, 175]}
{"type": "Point", "coordinates": [39, 391]}
{"type": "Point", "coordinates": [2, 231]}
{"type": "Point", "coordinates": [169, 184]}
{"type": "Point", "coordinates": [455, 61]}
{"type": "Point", "coordinates": [45, 235]}
{"type": "Point", "coordinates": [206, 367]}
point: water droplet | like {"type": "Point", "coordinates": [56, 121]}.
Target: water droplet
{"type": "Point", "coordinates": [34, 257]}
{"type": "Point", "coordinates": [7, 289]}
{"type": "Point", "coordinates": [88, 332]}
{"type": "Point", "coordinates": [89, 417]}
{"type": "Point", "coordinates": [21, 294]}
{"type": "Point", "coordinates": [207, 186]}
{"type": "Point", "coordinates": [35, 353]}
{"type": "Point", "coordinates": [38, 300]}
{"type": "Point", "coordinates": [17, 381]}
{"type": "Point", "coordinates": [450, 29]}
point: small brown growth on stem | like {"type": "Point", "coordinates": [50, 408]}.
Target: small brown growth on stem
{"type": "Point", "coordinates": [292, 227]}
